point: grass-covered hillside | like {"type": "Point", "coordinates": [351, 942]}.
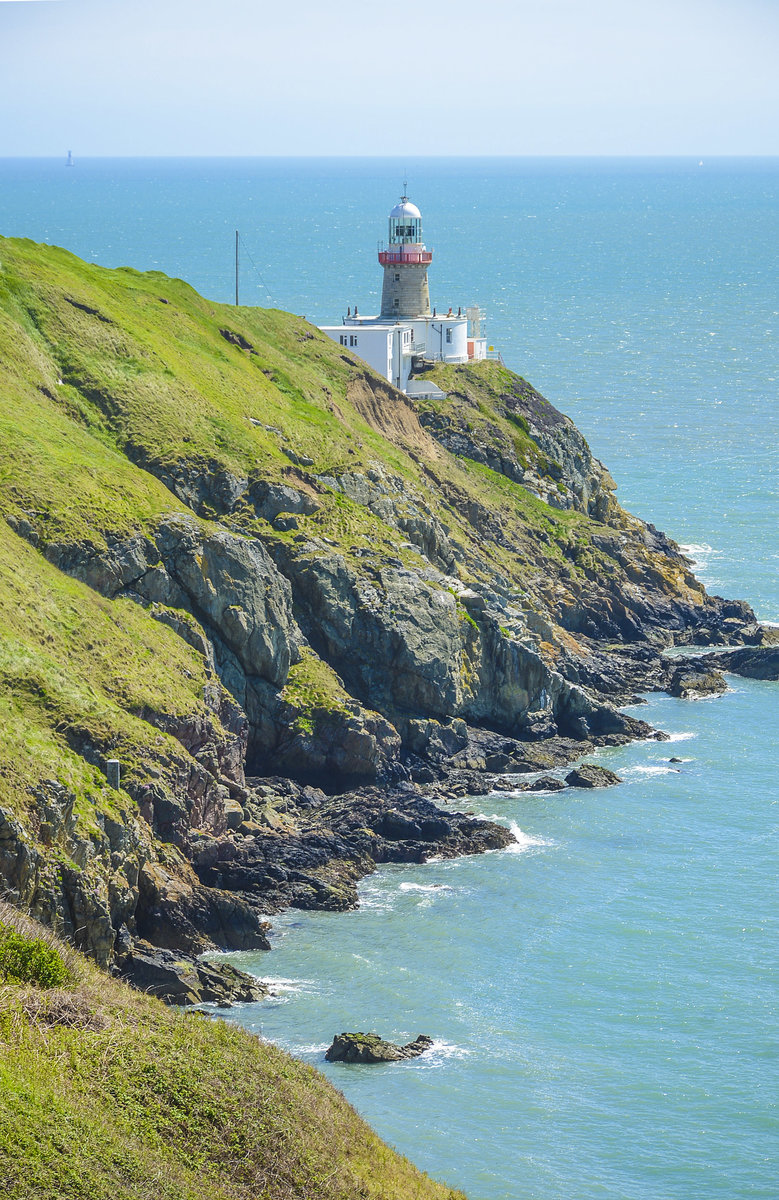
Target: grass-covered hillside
{"type": "Point", "coordinates": [238, 562]}
{"type": "Point", "coordinates": [106, 1093]}
{"type": "Point", "coordinates": [228, 548]}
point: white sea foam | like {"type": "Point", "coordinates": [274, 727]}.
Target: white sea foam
{"type": "Point", "coordinates": [698, 551]}
{"type": "Point", "coordinates": [684, 736]}
{"type": "Point", "coordinates": [310, 1048]}
{"type": "Point", "coordinates": [525, 842]}
{"type": "Point", "coordinates": [293, 987]}
{"type": "Point", "coordinates": [650, 769]}
{"type": "Point", "coordinates": [376, 897]}
{"type": "Point", "coordinates": [439, 1052]}
{"type": "Point", "coordinates": [425, 887]}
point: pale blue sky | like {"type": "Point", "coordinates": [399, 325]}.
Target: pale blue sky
{"type": "Point", "coordinates": [136, 77]}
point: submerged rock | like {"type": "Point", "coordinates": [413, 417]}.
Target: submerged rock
{"type": "Point", "coordinates": [370, 1048]}
{"type": "Point", "coordinates": [588, 775]}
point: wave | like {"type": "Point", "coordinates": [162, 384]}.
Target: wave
{"type": "Point", "coordinates": [699, 553]}
{"type": "Point", "coordinates": [294, 987]}
{"type": "Point", "coordinates": [685, 736]}
{"type": "Point", "coordinates": [439, 1052]}
{"type": "Point", "coordinates": [650, 769]}
{"type": "Point", "coordinates": [425, 887]}
{"type": "Point", "coordinates": [525, 842]}
{"type": "Point", "coordinates": [308, 1048]}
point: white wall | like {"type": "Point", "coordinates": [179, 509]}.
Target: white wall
{"type": "Point", "coordinates": [445, 338]}
{"type": "Point", "coordinates": [373, 343]}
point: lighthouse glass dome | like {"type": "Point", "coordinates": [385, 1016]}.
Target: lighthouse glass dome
{"type": "Point", "coordinates": [405, 223]}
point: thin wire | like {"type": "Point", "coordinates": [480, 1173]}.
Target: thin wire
{"type": "Point", "coordinates": [256, 268]}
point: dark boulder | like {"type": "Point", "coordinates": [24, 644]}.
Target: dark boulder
{"type": "Point", "coordinates": [370, 1048]}
{"type": "Point", "coordinates": [544, 783]}
{"type": "Point", "coordinates": [182, 979]}
{"type": "Point", "coordinates": [690, 682]}
{"type": "Point", "coordinates": [588, 775]}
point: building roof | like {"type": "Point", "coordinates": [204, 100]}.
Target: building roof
{"type": "Point", "coordinates": [405, 209]}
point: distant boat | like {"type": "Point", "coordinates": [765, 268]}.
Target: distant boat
{"type": "Point", "coordinates": [69, 163]}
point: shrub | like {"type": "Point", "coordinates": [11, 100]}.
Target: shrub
{"type": "Point", "coordinates": [30, 960]}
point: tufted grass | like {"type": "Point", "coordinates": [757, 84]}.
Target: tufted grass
{"type": "Point", "coordinates": [105, 1094]}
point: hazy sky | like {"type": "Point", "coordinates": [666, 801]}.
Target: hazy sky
{"type": "Point", "coordinates": [116, 77]}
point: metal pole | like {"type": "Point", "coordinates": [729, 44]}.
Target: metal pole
{"type": "Point", "coordinates": [236, 268]}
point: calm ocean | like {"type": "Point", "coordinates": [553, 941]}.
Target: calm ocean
{"type": "Point", "coordinates": [603, 995]}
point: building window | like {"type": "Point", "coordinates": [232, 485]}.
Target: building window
{"type": "Point", "coordinates": [352, 340]}
{"type": "Point", "coordinates": [397, 302]}
{"type": "Point", "coordinates": [397, 276]}
{"type": "Point", "coordinates": [449, 334]}
{"type": "Point", "coordinates": [343, 339]}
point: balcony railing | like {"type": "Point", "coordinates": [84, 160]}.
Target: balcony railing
{"type": "Point", "coordinates": [405, 254]}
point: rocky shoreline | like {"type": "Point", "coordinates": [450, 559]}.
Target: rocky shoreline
{"type": "Point", "coordinates": [299, 847]}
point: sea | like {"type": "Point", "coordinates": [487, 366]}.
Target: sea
{"type": "Point", "coordinates": [602, 995]}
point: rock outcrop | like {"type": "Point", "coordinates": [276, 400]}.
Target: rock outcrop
{"type": "Point", "coordinates": [370, 1048]}
{"type": "Point", "coordinates": [753, 662]}
{"type": "Point", "coordinates": [690, 682]}
{"type": "Point", "coordinates": [590, 775]}
{"type": "Point", "coordinates": [180, 979]}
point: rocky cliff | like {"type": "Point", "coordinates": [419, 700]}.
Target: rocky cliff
{"type": "Point", "coordinates": [288, 600]}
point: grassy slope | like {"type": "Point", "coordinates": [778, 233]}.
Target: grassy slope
{"type": "Point", "coordinates": [102, 371]}
{"type": "Point", "coordinates": [158, 382]}
{"type": "Point", "coordinates": [105, 1093]}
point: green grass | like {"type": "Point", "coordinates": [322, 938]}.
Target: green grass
{"type": "Point", "coordinates": [25, 959]}
{"type": "Point", "coordinates": [76, 666]}
{"type": "Point", "coordinates": [105, 1094]}
{"type": "Point", "coordinates": [314, 688]}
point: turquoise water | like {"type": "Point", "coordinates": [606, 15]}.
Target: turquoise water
{"type": "Point", "coordinates": [603, 997]}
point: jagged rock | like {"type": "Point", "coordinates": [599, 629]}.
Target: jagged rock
{"type": "Point", "coordinates": [544, 783]}
{"type": "Point", "coordinates": [269, 500]}
{"type": "Point", "coordinates": [588, 775]}
{"type": "Point", "coordinates": [370, 1048]}
{"type": "Point", "coordinates": [343, 745]}
{"type": "Point", "coordinates": [690, 682]}
{"type": "Point", "coordinates": [317, 862]}
{"type": "Point", "coordinates": [228, 582]}
{"type": "Point", "coordinates": [175, 910]}
{"type": "Point", "coordinates": [178, 978]}
{"type": "Point", "coordinates": [753, 662]}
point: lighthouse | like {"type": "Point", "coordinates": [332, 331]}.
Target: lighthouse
{"type": "Point", "coordinates": [406, 337]}
{"type": "Point", "coordinates": [405, 293]}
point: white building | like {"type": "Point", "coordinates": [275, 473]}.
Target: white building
{"type": "Point", "coordinates": [406, 333]}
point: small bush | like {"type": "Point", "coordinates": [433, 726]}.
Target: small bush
{"type": "Point", "coordinates": [30, 960]}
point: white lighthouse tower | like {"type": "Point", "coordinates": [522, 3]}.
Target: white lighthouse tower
{"type": "Point", "coordinates": [407, 335]}
{"type": "Point", "coordinates": [405, 293]}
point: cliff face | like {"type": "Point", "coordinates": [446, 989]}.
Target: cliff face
{"type": "Point", "coordinates": [231, 551]}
